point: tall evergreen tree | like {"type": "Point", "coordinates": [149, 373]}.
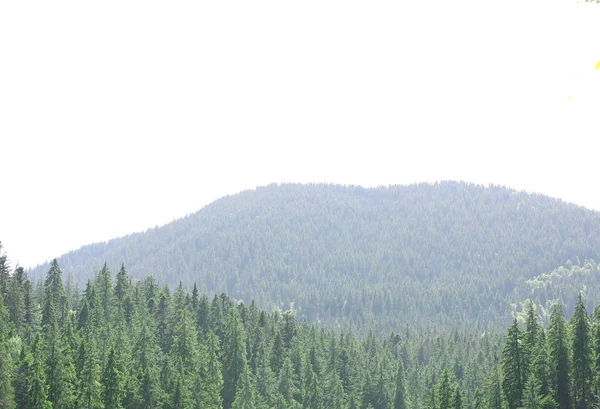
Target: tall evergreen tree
{"type": "Point", "coordinates": [15, 298]}
{"type": "Point", "coordinates": [234, 356]}
{"type": "Point", "coordinates": [6, 390]}
{"type": "Point", "coordinates": [401, 398]}
{"type": "Point", "coordinates": [245, 397]}
{"type": "Point", "coordinates": [54, 296]}
{"type": "Point", "coordinates": [122, 285]}
{"type": "Point", "coordinates": [559, 357]}
{"type": "Point", "coordinates": [113, 388]}
{"type": "Point", "coordinates": [513, 367]}
{"type": "Point", "coordinates": [4, 272]}
{"type": "Point", "coordinates": [581, 357]}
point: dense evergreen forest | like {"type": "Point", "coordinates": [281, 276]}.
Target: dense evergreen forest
{"type": "Point", "coordinates": [448, 254]}
{"type": "Point", "coordinates": [125, 344]}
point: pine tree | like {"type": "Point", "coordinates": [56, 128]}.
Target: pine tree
{"type": "Point", "coordinates": [559, 357]}
{"type": "Point", "coordinates": [513, 367]}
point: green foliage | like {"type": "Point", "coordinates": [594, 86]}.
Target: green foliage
{"type": "Point", "coordinates": [161, 351]}
{"type": "Point", "coordinates": [446, 255]}
{"type": "Point", "coordinates": [514, 367]}
{"type": "Point", "coordinates": [559, 358]}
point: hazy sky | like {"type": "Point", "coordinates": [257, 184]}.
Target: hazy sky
{"type": "Point", "coordinates": [116, 116]}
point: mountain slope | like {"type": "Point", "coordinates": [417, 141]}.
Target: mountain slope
{"type": "Point", "coordinates": [444, 254]}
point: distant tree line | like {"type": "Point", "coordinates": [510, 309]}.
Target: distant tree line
{"type": "Point", "coordinates": [427, 255]}
{"type": "Point", "coordinates": [124, 344]}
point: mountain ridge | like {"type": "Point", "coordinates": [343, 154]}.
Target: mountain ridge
{"type": "Point", "coordinates": [349, 254]}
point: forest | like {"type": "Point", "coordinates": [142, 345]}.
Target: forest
{"type": "Point", "coordinates": [449, 254]}
{"type": "Point", "coordinates": [121, 343]}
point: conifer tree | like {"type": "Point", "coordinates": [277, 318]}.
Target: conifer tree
{"type": "Point", "coordinates": [37, 394]}
{"type": "Point", "coordinates": [457, 400]}
{"type": "Point", "coordinates": [313, 392]}
{"type": "Point", "coordinates": [531, 395]}
{"type": "Point", "coordinates": [339, 397]}
{"type": "Point", "coordinates": [89, 389]}
{"type": "Point", "coordinates": [581, 357]}
{"type": "Point", "coordinates": [4, 272]}
{"type": "Point", "coordinates": [112, 383]}
{"type": "Point", "coordinates": [15, 298]}
{"type": "Point", "coordinates": [444, 391]}
{"type": "Point", "coordinates": [245, 397]}
{"type": "Point", "coordinates": [513, 367]}
{"type": "Point", "coordinates": [559, 357]}
{"type": "Point", "coordinates": [37, 391]}
{"type": "Point", "coordinates": [122, 285]}
{"type": "Point", "coordinates": [6, 390]}
{"type": "Point", "coordinates": [530, 337]}
{"type": "Point", "coordinates": [234, 356]}
{"type": "Point", "coordinates": [211, 374]}
{"type": "Point", "coordinates": [105, 293]}
{"type": "Point", "coordinates": [21, 379]}
{"type": "Point", "coordinates": [401, 398]}
{"type": "Point", "coordinates": [54, 296]}
{"type": "Point", "coordinates": [60, 371]}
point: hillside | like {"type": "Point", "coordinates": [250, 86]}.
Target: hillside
{"type": "Point", "coordinates": [446, 254]}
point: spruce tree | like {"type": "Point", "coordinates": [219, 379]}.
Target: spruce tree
{"type": "Point", "coordinates": [513, 367]}
{"type": "Point", "coordinates": [559, 357]}
{"type": "Point", "coordinates": [89, 389]}
{"type": "Point", "coordinates": [444, 391]}
{"type": "Point", "coordinates": [457, 400]}
{"type": "Point", "coordinates": [339, 400]}
{"type": "Point", "coordinates": [122, 285]}
{"type": "Point", "coordinates": [54, 296]}
{"type": "Point", "coordinates": [401, 398]}
{"type": "Point", "coordinates": [234, 356]}
{"type": "Point", "coordinates": [245, 397]}
{"type": "Point", "coordinates": [15, 298]}
{"type": "Point", "coordinates": [37, 391]}
{"type": "Point", "coordinates": [6, 390]}
{"type": "Point", "coordinates": [4, 272]}
{"type": "Point", "coordinates": [581, 348]}
{"type": "Point", "coordinates": [112, 383]}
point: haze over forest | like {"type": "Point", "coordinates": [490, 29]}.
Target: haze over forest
{"type": "Point", "coordinates": [371, 276]}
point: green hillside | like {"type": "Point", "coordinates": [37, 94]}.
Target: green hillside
{"type": "Point", "coordinates": [449, 254]}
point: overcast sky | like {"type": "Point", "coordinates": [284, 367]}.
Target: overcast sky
{"type": "Point", "coordinates": [116, 116]}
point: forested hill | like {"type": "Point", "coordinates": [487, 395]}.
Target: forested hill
{"type": "Point", "coordinates": [444, 254]}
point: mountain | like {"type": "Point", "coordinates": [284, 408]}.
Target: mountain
{"type": "Point", "coordinates": [447, 254]}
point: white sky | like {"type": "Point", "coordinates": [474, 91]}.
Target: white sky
{"type": "Point", "coordinates": [116, 116]}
